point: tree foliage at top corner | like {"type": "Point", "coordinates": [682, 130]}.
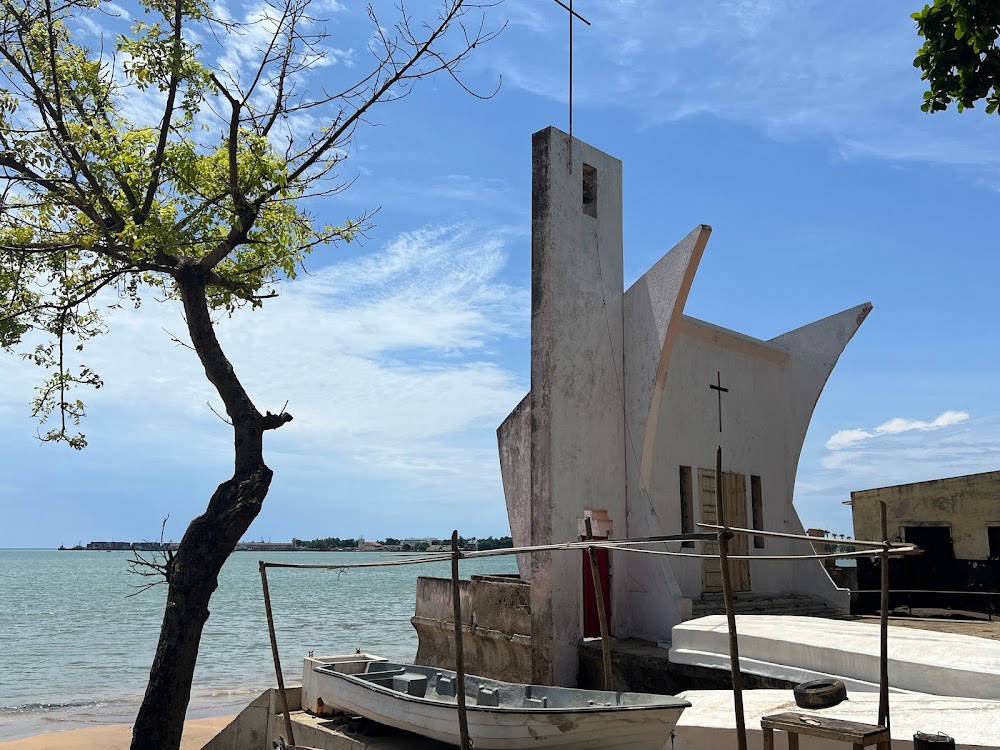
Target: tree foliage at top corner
{"type": "Point", "coordinates": [960, 59]}
{"type": "Point", "coordinates": [153, 164]}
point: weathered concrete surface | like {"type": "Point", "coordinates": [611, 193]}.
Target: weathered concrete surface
{"type": "Point", "coordinates": [804, 648]}
{"type": "Point", "coordinates": [709, 723]}
{"type": "Point", "coordinates": [643, 667]}
{"type": "Point", "coordinates": [514, 442]}
{"type": "Point", "coordinates": [577, 453]}
{"type": "Point", "coordinates": [255, 726]}
{"type": "Point", "coordinates": [652, 308]}
{"type": "Point", "coordinates": [967, 505]}
{"type": "Point", "coordinates": [496, 626]}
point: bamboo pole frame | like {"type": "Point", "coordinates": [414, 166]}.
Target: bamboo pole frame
{"type": "Point", "coordinates": [274, 653]}
{"type": "Point", "coordinates": [727, 595]}
{"type": "Point", "coordinates": [885, 550]}
{"type": "Point", "coordinates": [883, 680]}
{"type": "Point", "coordinates": [456, 603]}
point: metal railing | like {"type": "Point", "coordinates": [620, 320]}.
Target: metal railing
{"type": "Point", "coordinates": [993, 597]}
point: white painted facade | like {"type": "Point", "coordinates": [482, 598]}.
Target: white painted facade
{"type": "Point", "coordinates": [620, 401]}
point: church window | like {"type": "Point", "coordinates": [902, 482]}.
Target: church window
{"type": "Point", "coordinates": [757, 507]}
{"type": "Point", "coordinates": [590, 190]}
{"type": "Point", "coordinates": [687, 504]}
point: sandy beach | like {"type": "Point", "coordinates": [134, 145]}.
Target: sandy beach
{"type": "Point", "coordinates": [197, 732]}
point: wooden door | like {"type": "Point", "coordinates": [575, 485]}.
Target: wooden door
{"type": "Point", "coordinates": [736, 515]}
{"type": "Point", "coordinates": [591, 618]}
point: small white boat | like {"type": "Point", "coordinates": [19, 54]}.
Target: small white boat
{"type": "Point", "coordinates": [501, 715]}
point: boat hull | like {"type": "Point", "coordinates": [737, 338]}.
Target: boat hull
{"type": "Point", "coordinates": [634, 727]}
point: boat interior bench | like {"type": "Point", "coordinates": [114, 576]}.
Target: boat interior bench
{"type": "Point", "coordinates": [381, 674]}
{"type": "Point", "coordinates": [794, 724]}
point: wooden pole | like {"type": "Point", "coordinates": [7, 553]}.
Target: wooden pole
{"type": "Point", "coordinates": [727, 594]}
{"type": "Point", "coordinates": [274, 653]}
{"type": "Point", "coordinates": [883, 684]}
{"type": "Point", "coordinates": [456, 602]}
{"type": "Point", "coordinates": [602, 614]}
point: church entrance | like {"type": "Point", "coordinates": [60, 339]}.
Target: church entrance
{"type": "Point", "coordinates": [735, 496]}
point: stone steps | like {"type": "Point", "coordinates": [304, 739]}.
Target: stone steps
{"type": "Point", "coordinates": [764, 604]}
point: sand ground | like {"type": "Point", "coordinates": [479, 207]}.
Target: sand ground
{"type": "Point", "coordinates": [197, 733]}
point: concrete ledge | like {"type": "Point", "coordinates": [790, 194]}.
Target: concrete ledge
{"type": "Point", "coordinates": [710, 724]}
{"type": "Point", "coordinates": [497, 619]}
{"type": "Point", "coordinates": [488, 653]}
{"type": "Point", "coordinates": [794, 648]}
{"type": "Point", "coordinates": [257, 724]}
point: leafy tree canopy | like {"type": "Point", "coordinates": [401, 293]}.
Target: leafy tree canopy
{"type": "Point", "coordinates": [960, 59]}
{"type": "Point", "coordinates": [99, 207]}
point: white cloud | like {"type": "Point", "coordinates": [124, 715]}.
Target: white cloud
{"type": "Point", "coordinates": [898, 451]}
{"type": "Point", "coordinates": [848, 438]}
{"type": "Point", "coordinates": [388, 360]}
{"type": "Point", "coordinates": [898, 424]}
{"type": "Point", "coordinates": [802, 69]}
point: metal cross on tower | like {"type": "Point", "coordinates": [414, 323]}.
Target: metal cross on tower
{"type": "Point", "coordinates": [717, 386]}
{"type": "Point", "coordinates": [572, 14]}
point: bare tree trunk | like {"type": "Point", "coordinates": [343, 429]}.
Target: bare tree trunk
{"type": "Point", "coordinates": [193, 572]}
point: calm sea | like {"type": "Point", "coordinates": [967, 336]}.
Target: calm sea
{"type": "Point", "coordinates": [75, 648]}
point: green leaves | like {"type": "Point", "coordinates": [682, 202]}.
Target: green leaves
{"type": "Point", "coordinates": [959, 58]}
{"type": "Point", "coordinates": [97, 203]}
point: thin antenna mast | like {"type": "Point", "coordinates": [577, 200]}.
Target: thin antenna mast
{"type": "Point", "coordinates": [572, 14]}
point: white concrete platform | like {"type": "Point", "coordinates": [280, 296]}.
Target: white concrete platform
{"type": "Point", "coordinates": [806, 648]}
{"type": "Point", "coordinates": [710, 724]}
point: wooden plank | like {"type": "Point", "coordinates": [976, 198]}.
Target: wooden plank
{"type": "Point", "coordinates": [736, 515]}
{"type": "Point", "coordinates": [821, 726]}
{"type": "Point", "coordinates": [711, 568]}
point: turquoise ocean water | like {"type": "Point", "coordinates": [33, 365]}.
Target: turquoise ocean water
{"type": "Point", "coordinates": [75, 648]}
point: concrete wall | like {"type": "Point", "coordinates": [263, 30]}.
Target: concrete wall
{"type": "Point", "coordinates": [652, 311]}
{"type": "Point", "coordinates": [967, 504]}
{"type": "Point", "coordinates": [496, 626]}
{"type": "Point", "coordinates": [577, 422]}
{"type": "Point", "coordinates": [257, 724]}
{"type": "Point", "coordinates": [514, 442]}
{"type": "Point", "coordinates": [773, 389]}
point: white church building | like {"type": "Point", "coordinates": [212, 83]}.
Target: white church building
{"type": "Point", "coordinates": [629, 400]}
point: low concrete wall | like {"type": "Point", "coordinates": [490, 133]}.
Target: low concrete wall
{"type": "Point", "coordinates": [258, 724]}
{"type": "Point", "coordinates": [496, 623]}
{"type": "Point", "coordinates": [642, 667]}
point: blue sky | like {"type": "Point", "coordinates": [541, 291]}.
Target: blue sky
{"type": "Point", "coordinates": [793, 128]}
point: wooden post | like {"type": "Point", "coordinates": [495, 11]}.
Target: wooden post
{"type": "Point", "coordinates": [883, 684]}
{"type": "Point", "coordinates": [456, 602]}
{"type": "Point", "coordinates": [602, 614]}
{"type": "Point", "coordinates": [274, 653]}
{"type": "Point", "coordinates": [727, 594]}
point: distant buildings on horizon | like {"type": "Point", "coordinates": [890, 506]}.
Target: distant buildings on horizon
{"type": "Point", "coordinates": [390, 544]}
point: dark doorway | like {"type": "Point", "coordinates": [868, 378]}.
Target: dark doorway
{"type": "Point", "coordinates": [934, 569]}
{"type": "Point", "coordinates": [935, 541]}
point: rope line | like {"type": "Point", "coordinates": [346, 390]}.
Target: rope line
{"type": "Point", "coordinates": [578, 546]}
